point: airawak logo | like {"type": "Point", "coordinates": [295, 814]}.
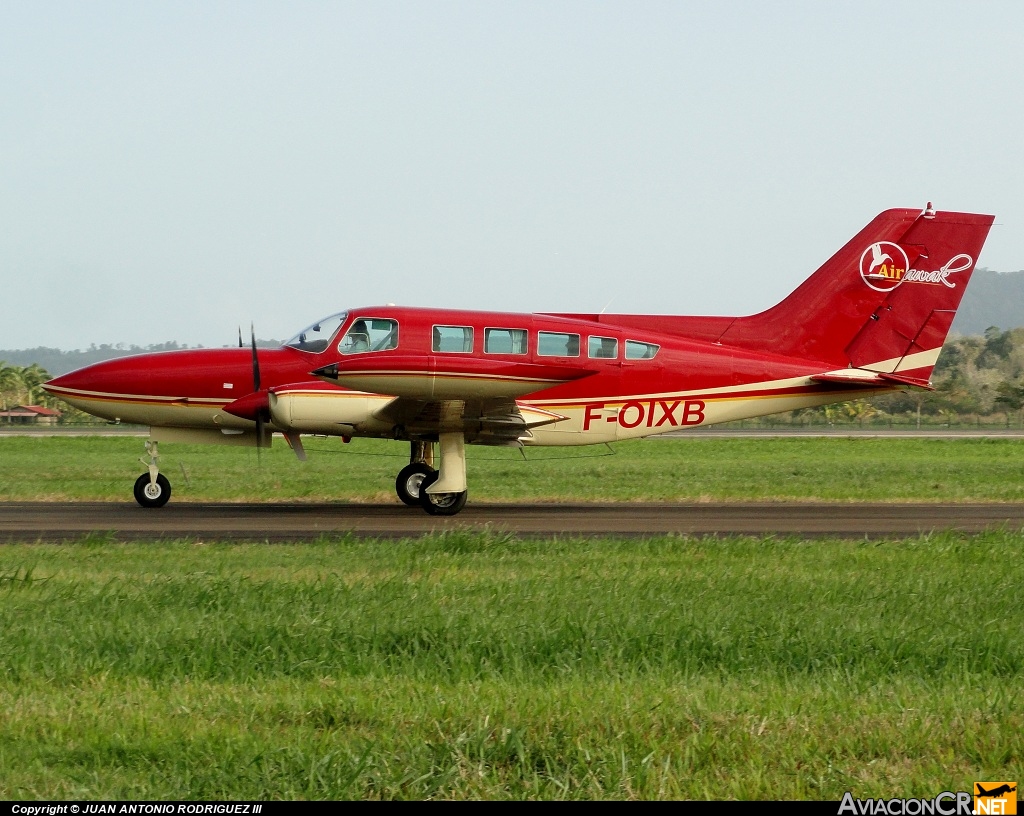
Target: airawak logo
{"type": "Point", "coordinates": [884, 266]}
{"type": "Point", "coordinates": [958, 263]}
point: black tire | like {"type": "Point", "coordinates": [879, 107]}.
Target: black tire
{"type": "Point", "coordinates": [440, 504]}
{"type": "Point", "coordinates": [410, 478]}
{"type": "Point", "coordinates": [152, 495]}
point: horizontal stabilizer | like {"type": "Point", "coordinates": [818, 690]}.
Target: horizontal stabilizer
{"type": "Point", "coordinates": [902, 378]}
{"type": "Point", "coordinates": [856, 377]}
{"type": "Point", "coordinates": [859, 378]}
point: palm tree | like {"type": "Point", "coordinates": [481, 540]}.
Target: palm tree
{"type": "Point", "coordinates": [33, 376]}
{"type": "Point", "coordinates": [11, 385]}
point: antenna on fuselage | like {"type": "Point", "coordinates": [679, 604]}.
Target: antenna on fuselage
{"type": "Point", "coordinates": [240, 336]}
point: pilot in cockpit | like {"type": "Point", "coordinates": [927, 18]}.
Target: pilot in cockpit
{"type": "Point", "coordinates": [359, 337]}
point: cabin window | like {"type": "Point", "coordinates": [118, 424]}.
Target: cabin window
{"type": "Point", "coordinates": [505, 341]}
{"type": "Point", "coordinates": [606, 348]}
{"type": "Point", "coordinates": [558, 344]}
{"type": "Point", "coordinates": [369, 334]}
{"type": "Point", "coordinates": [635, 350]}
{"type": "Point", "coordinates": [453, 339]}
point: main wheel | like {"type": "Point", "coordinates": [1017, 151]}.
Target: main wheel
{"type": "Point", "coordinates": [409, 480]}
{"type": "Point", "coordinates": [149, 494]}
{"type": "Point", "coordinates": [440, 504]}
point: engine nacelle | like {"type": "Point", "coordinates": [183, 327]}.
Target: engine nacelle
{"type": "Point", "coordinates": [318, 410]}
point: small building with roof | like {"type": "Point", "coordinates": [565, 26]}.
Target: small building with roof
{"type": "Point", "coordinates": [29, 415]}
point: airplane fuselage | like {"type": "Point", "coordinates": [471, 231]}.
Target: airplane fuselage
{"type": "Point", "coordinates": [610, 384]}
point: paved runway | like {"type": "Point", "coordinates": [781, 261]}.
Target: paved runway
{"type": "Point", "coordinates": [38, 521]}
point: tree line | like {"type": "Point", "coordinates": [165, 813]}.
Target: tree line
{"type": "Point", "coordinates": [978, 381]}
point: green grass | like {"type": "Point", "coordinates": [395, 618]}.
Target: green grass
{"type": "Point", "coordinates": [696, 469]}
{"type": "Point", "coordinates": [482, 665]}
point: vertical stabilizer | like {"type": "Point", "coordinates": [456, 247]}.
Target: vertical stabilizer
{"type": "Point", "coordinates": [883, 302]}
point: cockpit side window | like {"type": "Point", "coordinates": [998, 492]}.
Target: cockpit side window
{"type": "Point", "coordinates": [635, 350]}
{"type": "Point", "coordinates": [370, 334]}
{"type": "Point", "coordinates": [317, 337]}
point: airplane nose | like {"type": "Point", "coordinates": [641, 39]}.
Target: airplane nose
{"type": "Point", "coordinates": [53, 384]}
{"type": "Point", "coordinates": [107, 377]}
{"type": "Point", "coordinates": [72, 381]}
{"type": "Point", "coordinates": [85, 388]}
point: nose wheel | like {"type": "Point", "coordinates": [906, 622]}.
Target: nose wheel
{"type": "Point", "coordinates": [152, 494]}
{"type": "Point", "coordinates": [152, 489]}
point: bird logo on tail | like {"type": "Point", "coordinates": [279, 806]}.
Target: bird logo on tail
{"type": "Point", "coordinates": [883, 266]}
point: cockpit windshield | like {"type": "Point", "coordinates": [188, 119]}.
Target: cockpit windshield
{"type": "Point", "coordinates": [317, 337]}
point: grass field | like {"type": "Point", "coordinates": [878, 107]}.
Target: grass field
{"type": "Point", "coordinates": [477, 665]}
{"type": "Point", "coordinates": [697, 469]}
{"type": "Point", "coordinates": [480, 665]}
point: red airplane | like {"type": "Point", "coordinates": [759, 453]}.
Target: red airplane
{"type": "Point", "coordinates": [872, 319]}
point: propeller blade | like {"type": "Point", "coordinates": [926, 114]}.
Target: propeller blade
{"type": "Point", "coordinates": [255, 363]}
{"type": "Point", "coordinates": [256, 388]}
{"type": "Point", "coordinates": [259, 438]}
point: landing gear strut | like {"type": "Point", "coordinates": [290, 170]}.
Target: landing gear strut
{"type": "Point", "coordinates": [444, 493]}
{"type": "Point", "coordinates": [152, 489]}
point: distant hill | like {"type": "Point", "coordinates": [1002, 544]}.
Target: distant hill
{"type": "Point", "coordinates": [992, 299]}
{"type": "Point", "coordinates": [57, 361]}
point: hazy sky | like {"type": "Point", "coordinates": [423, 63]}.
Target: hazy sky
{"type": "Point", "coordinates": [171, 170]}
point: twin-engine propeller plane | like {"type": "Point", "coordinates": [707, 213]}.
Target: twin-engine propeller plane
{"type": "Point", "coordinates": [872, 319]}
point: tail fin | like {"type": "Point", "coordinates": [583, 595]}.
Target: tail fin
{"type": "Point", "coordinates": [884, 302]}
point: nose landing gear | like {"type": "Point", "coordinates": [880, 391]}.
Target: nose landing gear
{"type": "Point", "coordinates": [152, 489]}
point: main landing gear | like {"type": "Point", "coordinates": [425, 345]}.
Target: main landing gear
{"type": "Point", "coordinates": [440, 492]}
{"type": "Point", "coordinates": [152, 489]}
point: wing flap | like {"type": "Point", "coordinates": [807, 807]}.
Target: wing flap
{"type": "Point", "coordinates": [497, 421]}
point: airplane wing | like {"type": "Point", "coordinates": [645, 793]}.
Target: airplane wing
{"type": "Point", "coordinates": [492, 421]}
